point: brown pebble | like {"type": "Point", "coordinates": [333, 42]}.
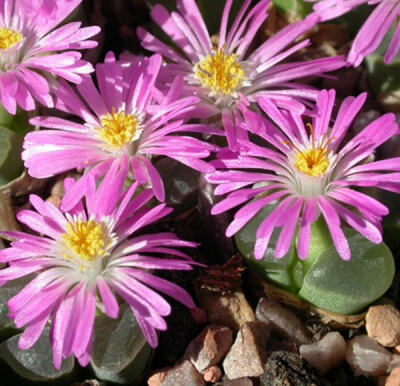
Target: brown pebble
{"type": "Point", "coordinates": [229, 309]}
{"type": "Point", "coordinates": [247, 356]}
{"type": "Point", "coordinates": [157, 379]}
{"type": "Point", "coordinates": [183, 373]}
{"type": "Point", "coordinates": [282, 321]}
{"type": "Point", "coordinates": [394, 378]}
{"type": "Point", "coordinates": [209, 347]}
{"type": "Point", "coordinates": [213, 374]}
{"type": "Point", "coordinates": [382, 323]}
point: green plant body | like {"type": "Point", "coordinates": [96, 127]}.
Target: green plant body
{"type": "Point", "coordinates": [12, 131]}
{"type": "Point", "coordinates": [324, 279]}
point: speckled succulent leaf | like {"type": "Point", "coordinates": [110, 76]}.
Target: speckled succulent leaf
{"type": "Point", "coordinates": [348, 287]}
{"type": "Point", "coordinates": [35, 364]}
{"type": "Point", "coordinates": [125, 354]}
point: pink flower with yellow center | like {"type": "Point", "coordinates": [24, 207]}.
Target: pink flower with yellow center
{"type": "Point", "coordinates": [33, 51]}
{"type": "Point", "coordinates": [91, 259]}
{"type": "Point", "coordinates": [122, 118]}
{"type": "Point", "coordinates": [224, 72]}
{"type": "Point", "coordinates": [307, 174]}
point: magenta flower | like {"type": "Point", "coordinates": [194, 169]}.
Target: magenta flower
{"type": "Point", "coordinates": [85, 261]}
{"type": "Point", "coordinates": [223, 73]}
{"type": "Point", "coordinates": [372, 33]}
{"type": "Point", "coordinates": [308, 174]}
{"type": "Point", "coordinates": [32, 50]}
{"type": "Point", "coordinates": [121, 119]}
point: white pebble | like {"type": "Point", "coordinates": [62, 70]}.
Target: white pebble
{"type": "Point", "coordinates": [326, 353]}
{"type": "Point", "coordinates": [367, 357]}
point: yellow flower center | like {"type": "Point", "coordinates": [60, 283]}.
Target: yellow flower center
{"type": "Point", "coordinates": [313, 162]}
{"type": "Point", "coordinates": [221, 73]}
{"type": "Point", "coordinates": [86, 239]}
{"type": "Point", "coordinates": [119, 129]}
{"type": "Point", "coordinates": [9, 38]}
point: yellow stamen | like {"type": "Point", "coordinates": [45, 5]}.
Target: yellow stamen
{"type": "Point", "coordinates": [9, 38]}
{"type": "Point", "coordinates": [313, 162]}
{"type": "Point", "coordinates": [119, 129]}
{"type": "Point", "coordinates": [86, 239]}
{"type": "Point", "coordinates": [221, 73]}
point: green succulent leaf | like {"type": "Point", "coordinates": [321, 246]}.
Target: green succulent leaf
{"type": "Point", "coordinates": [346, 287]}
{"type": "Point", "coordinates": [276, 270]}
{"type": "Point", "coordinates": [35, 364]}
{"type": "Point", "coordinates": [11, 165]}
{"type": "Point", "coordinates": [120, 352]}
{"type": "Point", "coordinates": [18, 123]}
{"type": "Point", "coordinates": [12, 131]}
{"type": "Point", "coordinates": [7, 291]}
{"type": "Point", "coordinates": [320, 241]}
{"type": "Point", "coordinates": [323, 279]}
{"type": "Point", "coordinates": [181, 184]}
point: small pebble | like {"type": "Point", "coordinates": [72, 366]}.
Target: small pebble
{"type": "Point", "coordinates": [326, 353]}
{"type": "Point", "coordinates": [282, 321]}
{"type": "Point", "coordinates": [247, 355]}
{"type": "Point", "coordinates": [209, 347]}
{"type": "Point", "coordinates": [383, 324]}
{"type": "Point", "coordinates": [157, 378]}
{"type": "Point", "coordinates": [394, 378]}
{"type": "Point", "coordinates": [366, 357]}
{"type": "Point", "coordinates": [183, 373]}
{"type": "Point", "coordinates": [212, 374]}
{"type": "Point", "coordinates": [230, 309]}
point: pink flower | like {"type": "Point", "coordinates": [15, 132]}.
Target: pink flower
{"type": "Point", "coordinates": [86, 261]}
{"type": "Point", "coordinates": [370, 36]}
{"type": "Point", "coordinates": [220, 74]}
{"type": "Point", "coordinates": [32, 50]}
{"type": "Point", "coordinates": [121, 119]}
{"type": "Point", "coordinates": [308, 174]}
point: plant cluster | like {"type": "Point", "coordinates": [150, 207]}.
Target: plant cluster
{"type": "Point", "coordinates": [243, 116]}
